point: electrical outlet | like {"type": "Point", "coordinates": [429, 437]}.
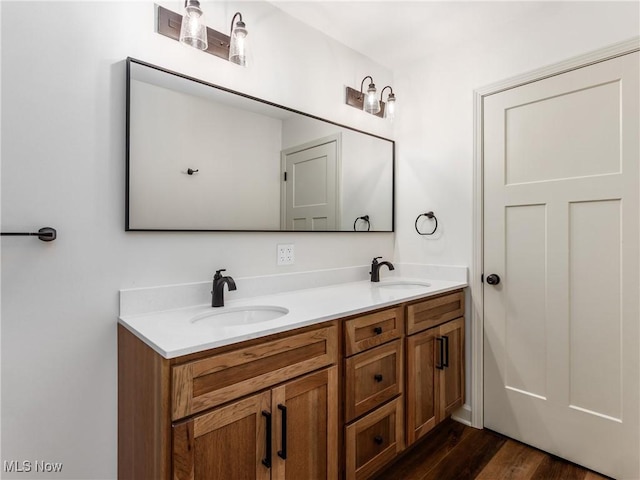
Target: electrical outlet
{"type": "Point", "coordinates": [286, 254]}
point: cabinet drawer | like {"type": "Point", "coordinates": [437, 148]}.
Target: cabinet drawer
{"type": "Point", "coordinates": [434, 311]}
{"type": "Point", "coordinates": [372, 378]}
{"type": "Point", "coordinates": [374, 440]}
{"type": "Point", "coordinates": [367, 331]}
{"type": "Point", "coordinates": [212, 381]}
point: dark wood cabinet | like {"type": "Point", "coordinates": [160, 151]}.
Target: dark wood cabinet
{"type": "Point", "coordinates": [435, 365]}
{"type": "Point", "coordinates": [373, 387]}
{"type": "Point", "coordinates": [336, 400]}
{"type": "Point", "coordinates": [265, 409]}
{"type": "Point", "coordinates": [289, 432]}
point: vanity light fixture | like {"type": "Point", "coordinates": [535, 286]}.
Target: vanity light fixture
{"type": "Point", "coordinates": [191, 30]}
{"type": "Point", "coordinates": [369, 102]}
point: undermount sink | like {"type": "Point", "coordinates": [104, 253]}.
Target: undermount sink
{"type": "Point", "coordinates": [235, 316]}
{"type": "Point", "coordinates": [402, 284]}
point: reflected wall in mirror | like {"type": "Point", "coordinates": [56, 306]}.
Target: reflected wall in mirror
{"type": "Point", "coordinates": [204, 158]}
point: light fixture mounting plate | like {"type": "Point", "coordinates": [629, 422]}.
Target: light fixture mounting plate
{"type": "Point", "coordinates": [169, 24]}
{"type": "Point", "coordinates": [356, 100]}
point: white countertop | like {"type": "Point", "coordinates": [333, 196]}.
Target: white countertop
{"type": "Point", "coordinates": [173, 333]}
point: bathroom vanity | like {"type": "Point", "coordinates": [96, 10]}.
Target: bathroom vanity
{"type": "Point", "coordinates": [363, 373]}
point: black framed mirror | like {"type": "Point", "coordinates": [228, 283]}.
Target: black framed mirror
{"type": "Point", "coordinates": [201, 157]}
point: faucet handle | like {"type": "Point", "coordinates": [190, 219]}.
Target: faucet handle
{"type": "Point", "coordinates": [375, 259]}
{"type": "Point", "coordinates": [218, 274]}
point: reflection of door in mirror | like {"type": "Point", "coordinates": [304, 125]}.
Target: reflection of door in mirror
{"type": "Point", "coordinates": [310, 185]}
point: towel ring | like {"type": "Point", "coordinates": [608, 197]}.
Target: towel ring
{"type": "Point", "coordinates": [366, 219]}
{"type": "Point", "coordinates": [428, 215]}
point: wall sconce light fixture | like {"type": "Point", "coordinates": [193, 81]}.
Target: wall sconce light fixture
{"type": "Point", "coordinates": [369, 101]}
{"type": "Point", "coordinates": [192, 30]}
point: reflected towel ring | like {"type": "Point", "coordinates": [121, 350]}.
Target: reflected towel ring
{"type": "Point", "coordinates": [428, 215]}
{"type": "Point", "coordinates": [364, 218]}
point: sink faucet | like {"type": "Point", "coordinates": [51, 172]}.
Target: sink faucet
{"type": "Point", "coordinates": [375, 269]}
{"type": "Point", "coordinates": [217, 294]}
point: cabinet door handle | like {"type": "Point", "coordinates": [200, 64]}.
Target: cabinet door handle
{"type": "Point", "coordinates": [267, 460]}
{"type": "Point", "coordinates": [378, 377]}
{"type": "Point", "coordinates": [378, 439]}
{"type": "Point", "coordinates": [445, 363]}
{"type": "Point", "coordinates": [377, 330]}
{"type": "Point", "coordinates": [440, 366]}
{"type": "Point", "coordinates": [283, 453]}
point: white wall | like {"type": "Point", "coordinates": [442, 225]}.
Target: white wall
{"type": "Point", "coordinates": [434, 126]}
{"type": "Point", "coordinates": [63, 146]}
{"type": "Point", "coordinates": [237, 185]}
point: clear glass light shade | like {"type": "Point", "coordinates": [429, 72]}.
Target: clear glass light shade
{"type": "Point", "coordinates": [238, 47]}
{"type": "Point", "coordinates": [193, 31]}
{"type": "Point", "coordinates": [390, 108]}
{"type": "Point", "coordinates": [371, 103]}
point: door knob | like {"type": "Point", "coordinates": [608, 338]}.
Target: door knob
{"type": "Point", "coordinates": [493, 279]}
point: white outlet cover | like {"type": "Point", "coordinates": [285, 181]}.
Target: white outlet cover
{"type": "Point", "coordinates": [286, 254]}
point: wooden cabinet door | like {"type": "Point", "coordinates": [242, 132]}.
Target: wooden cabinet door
{"type": "Point", "coordinates": [422, 386]}
{"type": "Point", "coordinates": [305, 414]}
{"type": "Point", "coordinates": [228, 442]}
{"type": "Point", "coordinates": [452, 386]}
{"type": "Point", "coordinates": [435, 376]}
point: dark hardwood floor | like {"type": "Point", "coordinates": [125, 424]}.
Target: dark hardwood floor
{"type": "Point", "coordinates": [456, 452]}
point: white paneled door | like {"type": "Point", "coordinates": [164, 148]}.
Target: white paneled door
{"type": "Point", "coordinates": [310, 191]}
{"type": "Point", "coordinates": [561, 234]}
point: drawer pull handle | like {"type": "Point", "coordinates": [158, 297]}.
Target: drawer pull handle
{"type": "Point", "coordinates": [440, 366]}
{"type": "Point", "coordinates": [283, 453]}
{"type": "Point", "coordinates": [378, 377]}
{"type": "Point", "coordinates": [267, 460]}
{"type": "Point", "coordinates": [378, 439]}
{"type": "Point", "coordinates": [377, 330]}
{"type": "Point", "coordinates": [445, 362]}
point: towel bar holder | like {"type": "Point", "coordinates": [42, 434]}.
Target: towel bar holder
{"type": "Point", "coordinates": [46, 234]}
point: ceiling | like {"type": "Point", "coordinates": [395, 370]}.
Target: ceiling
{"type": "Point", "coordinates": [394, 33]}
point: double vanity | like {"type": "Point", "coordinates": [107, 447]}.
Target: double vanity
{"type": "Point", "coordinates": [332, 381]}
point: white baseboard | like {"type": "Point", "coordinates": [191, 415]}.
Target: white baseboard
{"type": "Point", "coordinates": [463, 415]}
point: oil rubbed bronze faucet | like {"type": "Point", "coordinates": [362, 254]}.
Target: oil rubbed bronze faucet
{"type": "Point", "coordinates": [375, 268]}
{"type": "Point", "coordinates": [217, 294]}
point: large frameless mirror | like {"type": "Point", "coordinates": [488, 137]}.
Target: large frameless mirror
{"type": "Point", "coordinates": [204, 158]}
